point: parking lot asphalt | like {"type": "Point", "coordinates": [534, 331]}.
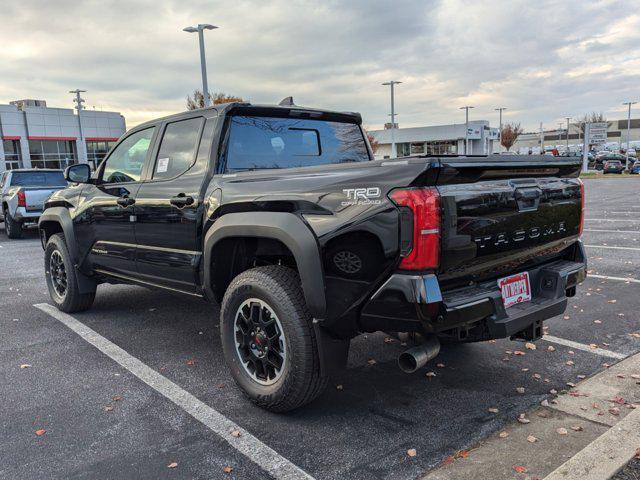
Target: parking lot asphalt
{"type": "Point", "coordinates": [103, 422]}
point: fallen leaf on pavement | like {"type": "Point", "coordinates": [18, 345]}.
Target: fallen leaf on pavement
{"type": "Point", "coordinates": [614, 411]}
{"type": "Point", "coordinates": [191, 362]}
{"type": "Point", "coordinates": [635, 376]}
{"type": "Point", "coordinates": [520, 389]}
{"type": "Point", "coordinates": [518, 353]}
{"type": "Point", "coordinates": [41, 432]}
{"type": "Point", "coordinates": [117, 398]}
{"type": "Point", "coordinates": [570, 363]}
{"type": "Point", "coordinates": [522, 419]}
{"type": "Point", "coordinates": [412, 452]}
{"type": "Point", "coordinates": [530, 346]}
{"type": "Point", "coordinates": [431, 374]}
{"type": "Point", "coordinates": [108, 408]}
{"type": "Point", "coordinates": [440, 365]}
{"type": "Point", "coordinates": [172, 465]}
{"type": "Point", "coordinates": [448, 460]}
{"type": "Point", "coordinates": [562, 431]}
{"type": "Point", "coordinates": [520, 469]}
{"type": "Point", "coordinates": [544, 403]}
{"type": "Point", "coordinates": [551, 348]}
{"type": "Point", "coordinates": [553, 391]}
{"type": "Point", "coordinates": [388, 340]}
{"type": "Point", "coordinates": [227, 469]}
{"type": "Point", "coordinates": [371, 361]}
{"type": "Point", "coordinates": [576, 428]}
{"type": "Point", "coordinates": [462, 454]}
{"type": "Point", "coordinates": [235, 433]}
{"type": "Point", "coordinates": [531, 439]}
{"type": "Point", "coordinates": [25, 365]}
{"type": "Point", "coordinates": [339, 387]}
{"type": "Point", "coordinates": [493, 410]}
{"type": "Point", "coordinates": [503, 434]}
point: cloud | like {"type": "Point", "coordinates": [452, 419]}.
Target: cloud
{"type": "Point", "coordinates": [542, 60]}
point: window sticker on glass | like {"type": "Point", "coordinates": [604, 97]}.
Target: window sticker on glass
{"type": "Point", "coordinates": [163, 165]}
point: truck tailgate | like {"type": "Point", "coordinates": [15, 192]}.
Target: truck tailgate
{"type": "Point", "coordinates": [499, 215]}
{"type": "Point", "coordinates": [36, 196]}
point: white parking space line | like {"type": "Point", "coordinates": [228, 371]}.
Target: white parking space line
{"type": "Point", "coordinates": [607, 277]}
{"type": "Point", "coordinates": [581, 346]}
{"type": "Point", "coordinates": [611, 231]}
{"type": "Point", "coordinates": [265, 457]}
{"type": "Point", "coordinates": [611, 220]}
{"type": "Point", "coordinates": [611, 247]}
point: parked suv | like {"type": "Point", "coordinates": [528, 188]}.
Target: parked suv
{"type": "Point", "coordinates": [281, 214]}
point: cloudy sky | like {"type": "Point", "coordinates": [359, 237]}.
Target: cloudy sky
{"type": "Point", "coordinates": [543, 60]}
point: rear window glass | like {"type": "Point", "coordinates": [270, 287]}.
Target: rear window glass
{"type": "Point", "coordinates": [38, 179]}
{"type": "Point", "coordinates": [271, 143]}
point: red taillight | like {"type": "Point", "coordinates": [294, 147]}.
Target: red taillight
{"type": "Point", "coordinates": [581, 207]}
{"type": "Point", "coordinates": [22, 199]}
{"type": "Point", "coordinates": [425, 206]}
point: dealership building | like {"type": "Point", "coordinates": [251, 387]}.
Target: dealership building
{"type": "Point", "coordinates": [34, 135]}
{"type": "Point", "coordinates": [437, 140]}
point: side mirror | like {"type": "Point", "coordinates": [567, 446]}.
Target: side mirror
{"type": "Point", "coordinates": [79, 173]}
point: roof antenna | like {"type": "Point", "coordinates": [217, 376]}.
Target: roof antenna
{"type": "Point", "coordinates": [287, 102]}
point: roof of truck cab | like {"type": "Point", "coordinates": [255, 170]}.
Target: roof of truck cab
{"type": "Point", "coordinates": [224, 108]}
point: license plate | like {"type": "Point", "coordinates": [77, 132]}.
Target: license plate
{"type": "Point", "coordinates": [515, 289]}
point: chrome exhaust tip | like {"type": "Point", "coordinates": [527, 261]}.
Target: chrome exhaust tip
{"type": "Point", "coordinates": [415, 358]}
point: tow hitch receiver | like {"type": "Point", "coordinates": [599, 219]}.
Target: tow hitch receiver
{"type": "Point", "coordinates": [531, 333]}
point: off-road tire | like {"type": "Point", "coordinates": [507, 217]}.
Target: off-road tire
{"type": "Point", "coordinates": [13, 228]}
{"type": "Point", "coordinates": [300, 381]}
{"type": "Point", "coordinates": [72, 300]}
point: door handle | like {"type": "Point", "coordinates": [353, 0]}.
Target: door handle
{"type": "Point", "coordinates": [125, 201]}
{"type": "Point", "coordinates": [181, 200]}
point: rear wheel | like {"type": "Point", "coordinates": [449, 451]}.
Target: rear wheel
{"type": "Point", "coordinates": [12, 227]}
{"type": "Point", "coordinates": [62, 280]}
{"type": "Point", "coordinates": [268, 339]}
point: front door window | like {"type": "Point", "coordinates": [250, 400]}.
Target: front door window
{"type": "Point", "coordinates": [127, 160]}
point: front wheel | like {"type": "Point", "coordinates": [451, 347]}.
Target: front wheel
{"type": "Point", "coordinates": [62, 280]}
{"type": "Point", "coordinates": [12, 227]}
{"type": "Point", "coordinates": [268, 339]}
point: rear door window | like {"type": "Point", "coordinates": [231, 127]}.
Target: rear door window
{"type": "Point", "coordinates": [178, 148]}
{"type": "Point", "coordinates": [257, 143]}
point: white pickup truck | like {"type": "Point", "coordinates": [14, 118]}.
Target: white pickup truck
{"type": "Point", "coordinates": [23, 193]}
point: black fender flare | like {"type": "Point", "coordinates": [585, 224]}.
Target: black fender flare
{"type": "Point", "coordinates": [61, 216]}
{"type": "Point", "coordinates": [288, 229]}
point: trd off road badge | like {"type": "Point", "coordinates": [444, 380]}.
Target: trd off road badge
{"type": "Point", "coordinates": [362, 196]}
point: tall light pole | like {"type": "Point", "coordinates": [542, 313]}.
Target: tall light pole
{"type": "Point", "coordinates": [82, 153]}
{"type": "Point", "coordinates": [203, 61]}
{"type": "Point", "coordinates": [391, 83]}
{"type": "Point", "coordinates": [628, 130]}
{"type": "Point", "coordinates": [466, 128]}
{"type": "Point", "coordinates": [568, 119]}
{"type": "Point", "coordinates": [500, 109]}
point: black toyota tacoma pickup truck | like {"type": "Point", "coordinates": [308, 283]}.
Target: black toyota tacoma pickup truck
{"type": "Point", "coordinates": [282, 215]}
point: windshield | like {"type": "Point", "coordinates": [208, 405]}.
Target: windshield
{"type": "Point", "coordinates": [38, 179]}
{"type": "Point", "coordinates": [272, 143]}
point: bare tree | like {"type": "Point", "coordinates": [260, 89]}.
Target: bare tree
{"type": "Point", "coordinates": [197, 100]}
{"type": "Point", "coordinates": [509, 135]}
{"type": "Point", "coordinates": [593, 117]}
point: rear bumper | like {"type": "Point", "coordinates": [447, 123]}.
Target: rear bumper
{"type": "Point", "coordinates": [415, 303]}
{"type": "Point", "coordinates": [24, 215]}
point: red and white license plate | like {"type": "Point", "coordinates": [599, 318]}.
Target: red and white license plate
{"type": "Point", "coordinates": [515, 289]}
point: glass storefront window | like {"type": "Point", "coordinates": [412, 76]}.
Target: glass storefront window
{"type": "Point", "coordinates": [12, 154]}
{"type": "Point", "coordinates": [97, 150]}
{"type": "Point", "coordinates": [52, 153]}
{"type": "Point", "coordinates": [417, 148]}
